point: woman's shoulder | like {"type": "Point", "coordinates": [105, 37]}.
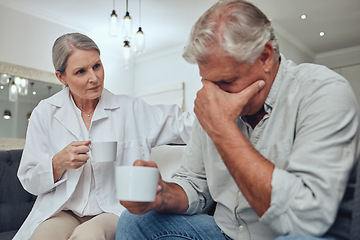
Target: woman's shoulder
{"type": "Point", "coordinates": [58, 98]}
{"type": "Point", "coordinates": [108, 93]}
{"type": "Point", "coordinates": [53, 101]}
{"type": "Point", "coordinates": [121, 99]}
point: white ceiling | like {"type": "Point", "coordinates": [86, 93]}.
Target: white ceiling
{"type": "Point", "coordinates": [167, 23]}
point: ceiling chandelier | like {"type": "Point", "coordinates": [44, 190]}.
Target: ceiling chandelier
{"type": "Point", "coordinates": [126, 33]}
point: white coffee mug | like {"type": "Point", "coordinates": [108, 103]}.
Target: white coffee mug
{"type": "Point", "coordinates": [136, 183]}
{"type": "Point", "coordinates": [103, 151]}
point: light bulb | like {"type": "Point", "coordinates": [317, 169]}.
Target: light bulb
{"type": "Point", "coordinates": [7, 114]}
{"type": "Point", "coordinates": [127, 25]}
{"type": "Point", "coordinates": [114, 27]}
{"type": "Point", "coordinates": [140, 41]}
{"type": "Point", "coordinates": [127, 54]}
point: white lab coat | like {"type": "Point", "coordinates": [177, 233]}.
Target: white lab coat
{"type": "Point", "coordinates": [135, 125]}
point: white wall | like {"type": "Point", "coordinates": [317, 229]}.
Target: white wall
{"type": "Point", "coordinates": [117, 79]}
{"type": "Point", "coordinates": [346, 62]}
{"type": "Point", "coordinates": [351, 73]}
{"type": "Point", "coordinates": [27, 40]}
{"type": "Point", "coordinates": [340, 58]}
{"type": "Point", "coordinates": [166, 68]}
{"type": "Point", "coordinates": [291, 47]}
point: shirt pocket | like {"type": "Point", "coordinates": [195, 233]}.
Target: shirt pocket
{"type": "Point", "coordinates": [130, 151]}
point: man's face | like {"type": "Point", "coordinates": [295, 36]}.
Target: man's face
{"type": "Point", "coordinates": [233, 77]}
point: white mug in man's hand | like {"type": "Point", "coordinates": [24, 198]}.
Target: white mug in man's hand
{"type": "Point", "coordinates": [136, 183]}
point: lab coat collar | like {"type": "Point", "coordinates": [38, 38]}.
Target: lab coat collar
{"type": "Point", "coordinates": [65, 109]}
{"type": "Point", "coordinates": [106, 104]}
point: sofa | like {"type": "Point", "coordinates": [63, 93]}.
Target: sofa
{"type": "Point", "coordinates": [16, 203]}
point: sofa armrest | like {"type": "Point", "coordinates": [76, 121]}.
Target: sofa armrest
{"type": "Point", "coordinates": [15, 202]}
{"type": "Point", "coordinates": [168, 159]}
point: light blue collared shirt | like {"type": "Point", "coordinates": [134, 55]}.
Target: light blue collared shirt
{"type": "Point", "coordinates": [311, 134]}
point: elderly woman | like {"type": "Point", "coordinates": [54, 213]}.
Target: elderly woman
{"type": "Point", "coordinates": [76, 197]}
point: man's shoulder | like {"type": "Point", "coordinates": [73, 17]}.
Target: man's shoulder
{"type": "Point", "coordinates": [306, 84]}
{"type": "Point", "coordinates": [309, 73]}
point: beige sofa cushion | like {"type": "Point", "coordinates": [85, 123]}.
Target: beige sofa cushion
{"type": "Point", "coordinates": [168, 159]}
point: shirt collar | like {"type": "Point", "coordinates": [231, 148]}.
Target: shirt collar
{"type": "Point", "coordinates": [107, 100]}
{"type": "Point", "coordinates": [62, 101]}
{"type": "Point", "coordinates": [274, 91]}
{"type": "Point", "coordinates": [271, 98]}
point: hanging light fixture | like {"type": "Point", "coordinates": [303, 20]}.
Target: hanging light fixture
{"type": "Point", "coordinates": [127, 24]}
{"type": "Point", "coordinates": [127, 54]}
{"type": "Point", "coordinates": [140, 41]}
{"type": "Point", "coordinates": [13, 92]}
{"type": "Point", "coordinates": [126, 33]}
{"type": "Point", "coordinates": [7, 114]}
{"type": "Point", "coordinates": [114, 28]}
{"type": "Point", "coordinates": [140, 37]}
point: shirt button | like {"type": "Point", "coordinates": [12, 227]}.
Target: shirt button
{"type": "Point", "coordinates": [241, 227]}
{"type": "Point", "coordinates": [239, 194]}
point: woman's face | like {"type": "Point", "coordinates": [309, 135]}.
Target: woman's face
{"type": "Point", "coordinates": [84, 75]}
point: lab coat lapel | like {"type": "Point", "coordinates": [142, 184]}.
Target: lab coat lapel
{"type": "Point", "coordinates": [65, 113]}
{"type": "Point", "coordinates": [106, 104]}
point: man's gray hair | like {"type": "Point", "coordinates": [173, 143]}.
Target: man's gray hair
{"type": "Point", "coordinates": [65, 45]}
{"type": "Point", "coordinates": [237, 27]}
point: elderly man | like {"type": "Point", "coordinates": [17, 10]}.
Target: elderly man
{"type": "Point", "coordinates": [273, 146]}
